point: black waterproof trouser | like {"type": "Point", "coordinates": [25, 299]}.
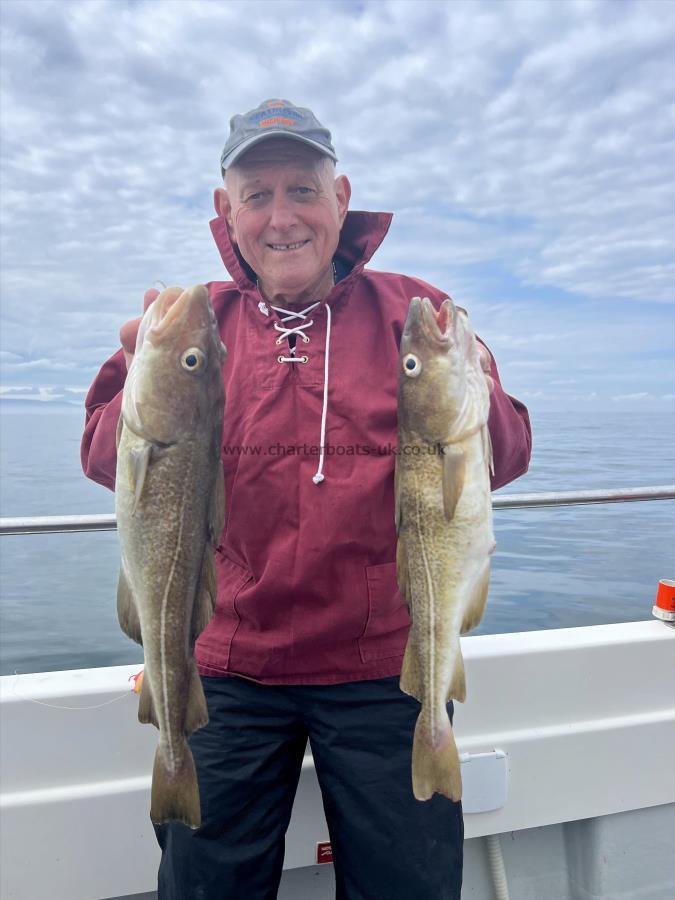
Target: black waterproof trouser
{"type": "Point", "coordinates": [386, 845]}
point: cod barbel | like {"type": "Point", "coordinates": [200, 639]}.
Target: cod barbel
{"type": "Point", "coordinates": [170, 507]}
{"type": "Point", "coordinates": [444, 524]}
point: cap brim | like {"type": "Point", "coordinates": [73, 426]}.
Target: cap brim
{"type": "Point", "coordinates": [246, 145]}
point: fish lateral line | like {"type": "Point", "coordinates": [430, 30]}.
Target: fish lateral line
{"type": "Point", "coordinates": [431, 597]}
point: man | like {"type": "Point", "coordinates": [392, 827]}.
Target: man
{"type": "Point", "coordinates": [309, 631]}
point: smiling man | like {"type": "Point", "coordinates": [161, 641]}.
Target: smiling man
{"type": "Point", "coordinates": [284, 208]}
{"type": "Point", "coordinates": [309, 632]}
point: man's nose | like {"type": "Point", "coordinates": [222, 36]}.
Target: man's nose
{"type": "Point", "coordinates": [282, 213]}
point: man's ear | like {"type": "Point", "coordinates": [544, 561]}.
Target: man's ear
{"type": "Point", "coordinates": [223, 207]}
{"type": "Point", "coordinates": [343, 192]}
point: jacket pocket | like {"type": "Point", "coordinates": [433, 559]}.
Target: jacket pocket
{"type": "Point", "coordinates": [217, 641]}
{"type": "Point", "coordinates": [388, 621]}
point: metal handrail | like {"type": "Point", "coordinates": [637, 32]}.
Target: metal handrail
{"type": "Point", "coordinates": [107, 521]}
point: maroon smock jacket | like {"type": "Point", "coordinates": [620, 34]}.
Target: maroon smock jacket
{"type": "Point", "coordinates": [307, 590]}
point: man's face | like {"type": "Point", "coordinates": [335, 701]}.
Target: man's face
{"type": "Point", "coordinates": [285, 208]}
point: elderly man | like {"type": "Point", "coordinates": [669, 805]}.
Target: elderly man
{"type": "Point", "coordinates": [309, 631]}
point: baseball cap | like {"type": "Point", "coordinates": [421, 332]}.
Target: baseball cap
{"type": "Point", "coordinates": [275, 118]}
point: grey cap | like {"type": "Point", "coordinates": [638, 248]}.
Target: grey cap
{"type": "Point", "coordinates": [275, 118]}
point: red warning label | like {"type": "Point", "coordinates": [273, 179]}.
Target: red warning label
{"type": "Point", "coordinates": [324, 852]}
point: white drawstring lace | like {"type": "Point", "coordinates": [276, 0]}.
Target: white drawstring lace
{"type": "Point", "coordinates": [319, 476]}
{"type": "Point", "coordinates": [299, 332]}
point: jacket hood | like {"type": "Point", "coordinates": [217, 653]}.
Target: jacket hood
{"type": "Point", "coordinates": [360, 236]}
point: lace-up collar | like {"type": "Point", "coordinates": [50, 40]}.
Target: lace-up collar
{"type": "Point", "coordinates": [295, 331]}
{"type": "Point", "coordinates": [291, 335]}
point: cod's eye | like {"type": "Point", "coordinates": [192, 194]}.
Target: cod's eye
{"type": "Point", "coordinates": [412, 365]}
{"type": "Point", "coordinates": [192, 360]}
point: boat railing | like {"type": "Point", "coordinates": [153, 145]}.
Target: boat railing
{"type": "Point", "coordinates": [107, 521]}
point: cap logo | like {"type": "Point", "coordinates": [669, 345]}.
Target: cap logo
{"type": "Point", "coordinates": [283, 115]}
{"type": "Point", "coordinates": [276, 120]}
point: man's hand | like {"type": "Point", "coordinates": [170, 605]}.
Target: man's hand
{"type": "Point", "coordinates": [486, 365]}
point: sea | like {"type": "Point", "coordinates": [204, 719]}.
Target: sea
{"type": "Point", "coordinates": [553, 568]}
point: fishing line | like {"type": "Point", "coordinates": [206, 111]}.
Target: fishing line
{"type": "Point", "coordinates": [58, 706]}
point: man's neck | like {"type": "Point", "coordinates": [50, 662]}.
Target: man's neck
{"type": "Point", "coordinates": [313, 294]}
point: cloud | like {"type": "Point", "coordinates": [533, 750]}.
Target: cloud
{"type": "Point", "coordinates": [525, 149]}
{"type": "Point", "coordinates": [42, 364]}
{"type": "Point", "coordinates": [41, 395]}
{"type": "Point", "coordinates": [622, 398]}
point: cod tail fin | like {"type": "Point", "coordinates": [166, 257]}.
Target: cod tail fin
{"type": "Point", "coordinates": [175, 795]}
{"type": "Point", "coordinates": [435, 760]}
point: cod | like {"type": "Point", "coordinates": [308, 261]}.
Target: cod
{"type": "Point", "coordinates": [169, 500]}
{"type": "Point", "coordinates": [444, 524]}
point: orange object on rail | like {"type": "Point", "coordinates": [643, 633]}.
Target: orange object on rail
{"type": "Point", "coordinates": [664, 607]}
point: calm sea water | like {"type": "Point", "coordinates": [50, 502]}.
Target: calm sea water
{"type": "Point", "coordinates": [553, 567]}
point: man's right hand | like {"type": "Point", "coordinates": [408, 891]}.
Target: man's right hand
{"type": "Point", "coordinates": [129, 331]}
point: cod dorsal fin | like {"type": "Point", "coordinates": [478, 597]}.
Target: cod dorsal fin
{"type": "Point", "coordinates": [453, 478]}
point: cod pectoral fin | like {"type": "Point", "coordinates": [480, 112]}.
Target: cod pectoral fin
{"type": "Point", "coordinates": [127, 614]}
{"type": "Point", "coordinates": [453, 478]}
{"type": "Point", "coordinates": [139, 458]}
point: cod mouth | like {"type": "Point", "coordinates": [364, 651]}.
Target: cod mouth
{"type": "Point", "coordinates": [437, 327]}
{"type": "Point", "coordinates": [187, 310]}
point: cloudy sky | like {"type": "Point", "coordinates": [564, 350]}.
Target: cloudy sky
{"type": "Point", "coordinates": [526, 149]}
